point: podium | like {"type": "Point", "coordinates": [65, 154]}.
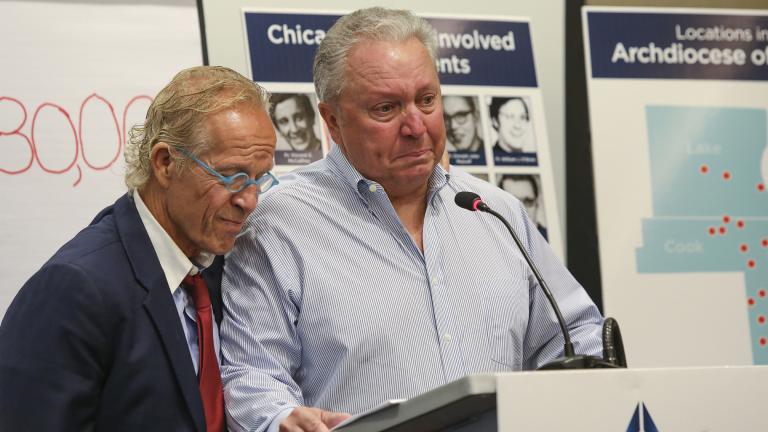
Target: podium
{"type": "Point", "coordinates": [670, 399]}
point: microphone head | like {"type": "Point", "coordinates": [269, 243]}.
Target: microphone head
{"type": "Point", "coordinates": [468, 200]}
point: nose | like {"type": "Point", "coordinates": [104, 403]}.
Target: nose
{"type": "Point", "coordinates": [413, 123]}
{"type": "Point", "coordinates": [292, 127]}
{"type": "Point", "coordinates": [246, 199]}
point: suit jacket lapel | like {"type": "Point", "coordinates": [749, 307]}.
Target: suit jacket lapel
{"type": "Point", "coordinates": [159, 302]}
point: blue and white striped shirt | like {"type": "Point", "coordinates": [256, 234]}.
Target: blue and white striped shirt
{"type": "Point", "coordinates": [330, 303]}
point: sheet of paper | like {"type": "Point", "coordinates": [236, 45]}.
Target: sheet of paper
{"type": "Point", "coordinates": [365, 413]}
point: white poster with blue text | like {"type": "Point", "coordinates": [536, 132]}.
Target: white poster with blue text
{"type": "Point", "coordinates": [678, 102]}
{"type": "Point", "coordinates": [492, 104]}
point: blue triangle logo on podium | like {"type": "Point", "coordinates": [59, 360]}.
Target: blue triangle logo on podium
{"type": "Point", "coordinates": [641, 420]}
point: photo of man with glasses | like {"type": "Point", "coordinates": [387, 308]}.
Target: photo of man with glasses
{"type": "Point", "coordinates": [463, 130]}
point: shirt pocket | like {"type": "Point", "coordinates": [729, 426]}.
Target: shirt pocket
{"type": "Point", "coordinates": [505, 310]}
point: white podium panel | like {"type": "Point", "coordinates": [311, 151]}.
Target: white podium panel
{"type": "Point", "coordinates": [685, 399]}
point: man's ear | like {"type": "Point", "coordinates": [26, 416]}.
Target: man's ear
{"type": "Point", "coordinates": [495, 123]}
{"type": "Point", "coordinates": [331, 118]}
{"type": "Point", "coordinates": [162, 164]}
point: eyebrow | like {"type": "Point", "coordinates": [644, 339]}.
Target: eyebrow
{"type": "Point", "coordinates": [227, 167]}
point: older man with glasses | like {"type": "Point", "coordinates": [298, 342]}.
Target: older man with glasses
{"type": "Point", "coordinates": [118, 330]}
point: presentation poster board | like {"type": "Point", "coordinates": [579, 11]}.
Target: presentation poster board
{"type": "Point", "coordinates": [678, 101]}
{"type": "Point", "coordinates": [75, 78]}
{"type": "Point", "coordinates": [493, 107]}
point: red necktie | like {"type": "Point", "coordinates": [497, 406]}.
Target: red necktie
{"type": "Point", "coordinates": [208, 373]}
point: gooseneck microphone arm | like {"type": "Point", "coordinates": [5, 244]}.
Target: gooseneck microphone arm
{"type": "Point", "coordinates": [472, 202]}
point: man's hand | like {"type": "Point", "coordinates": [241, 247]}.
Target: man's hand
{"type": "Point", "coordinates": [304, 419]}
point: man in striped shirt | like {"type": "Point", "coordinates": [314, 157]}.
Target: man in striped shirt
{"type": "Point", "coordinates": [358, 279]}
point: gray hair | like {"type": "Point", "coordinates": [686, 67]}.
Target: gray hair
{"type": "Point", "coordinates": [177, 115]}
{"type": "Point", "coordinates": [378, 24]}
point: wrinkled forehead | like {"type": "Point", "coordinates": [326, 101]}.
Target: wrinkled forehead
{"type": "Point", "coordinates": [358, 60]}
{"type": "Point", "coordinates": [245, 127]}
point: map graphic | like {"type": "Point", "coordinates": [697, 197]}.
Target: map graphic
{"type": "Point", "coordinates": [710, 206]}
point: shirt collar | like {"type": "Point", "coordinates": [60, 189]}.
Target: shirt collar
{"type": "Point", "coordinates": [344, 168]}
{"type": "Point", "coordinates": [174, 263]}
{"type": "Point", "coordinates": [439, 178]}
{"type": "Point", "coordinates": [354, 179]}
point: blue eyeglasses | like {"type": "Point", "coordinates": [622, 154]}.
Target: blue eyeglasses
{"type": "Point", "coordinates": [238, 181]}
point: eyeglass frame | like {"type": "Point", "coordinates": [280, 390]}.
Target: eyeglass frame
{"type": "Point", "coordinates": [227, 181]}
{"type": "Point", "coordinates": [461, 117]}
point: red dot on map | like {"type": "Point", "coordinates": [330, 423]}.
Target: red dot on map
{"type": "Point", "coordinates": [761, 293]}
{"type": "Point", "coordinates": [739, 224]}
{"type": "Point", "coordinates": [751, 301]}
{"type": "Point", "coordinates": [761, 319]}
{"type": "Point", "coordinates": [722, 230]}
{"type": "Point", "coordinates": [744, 247]}
{"type": "Point", "coordinates": [726, 219]}
{"type": "Point", "coordinates": [713, 231]}
{"type": "Point", "coordinates": [751, 263]}
{"type": "Point", "coordinates": [761, 187]}
{"type": "Point", "coordinates": [762, 341]}
{"type": "Point", "coordinates": [703, 169]}
{"type": "Point", "coordinates": [726, 175]}
{"type": "Point", "coordinates": [764, 242]}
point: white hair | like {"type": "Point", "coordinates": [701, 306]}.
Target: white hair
{"type": "Point", "coordinates": [375, 23]}
{"type": "Point", "coordinates": [177, 115]}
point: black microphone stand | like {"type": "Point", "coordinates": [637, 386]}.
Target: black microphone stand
{"type": "Point", "coordinates": [570, 360]}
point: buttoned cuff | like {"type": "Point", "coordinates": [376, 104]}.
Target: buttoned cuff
{"type": "Point", "coordinates": [275, 425]}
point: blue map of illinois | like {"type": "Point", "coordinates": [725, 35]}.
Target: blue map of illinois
{"type": "Point", "coordinates": [710, 204]}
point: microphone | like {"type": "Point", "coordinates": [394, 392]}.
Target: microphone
{"type": "Point", "coordinates": [472, 202]}
{"type": "Point", "coordinates": [613, 346]}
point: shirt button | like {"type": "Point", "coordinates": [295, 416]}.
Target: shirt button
{"type": "Point", "coordinates": [372, 188]}
{"type": "Point", "coordinates": [434, 281]}
{"type": "Point", "coordinates": [447, 338]}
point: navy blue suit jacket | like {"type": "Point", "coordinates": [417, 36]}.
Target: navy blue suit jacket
{"type": "Point", "coordinates": [93, 340]}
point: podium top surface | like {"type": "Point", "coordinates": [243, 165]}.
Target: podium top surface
{"type": "Point", "coordinates": [434, 410]}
